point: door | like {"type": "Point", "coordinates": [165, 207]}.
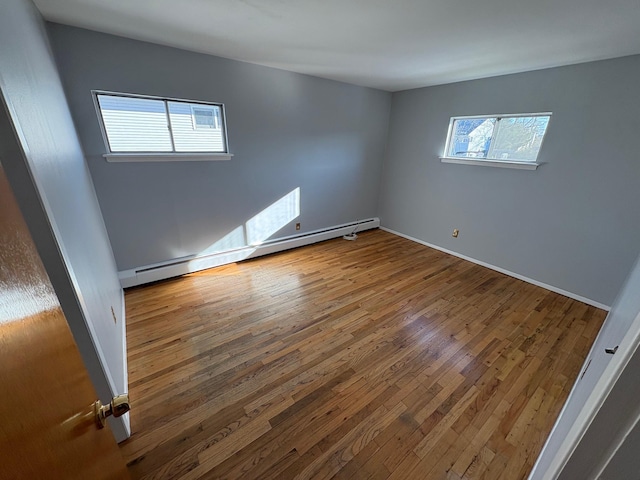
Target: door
{"type": "Point", "coordinates": [47, 424]}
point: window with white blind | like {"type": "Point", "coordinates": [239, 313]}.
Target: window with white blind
{"type": "Point", "coordinates": [141, 127]}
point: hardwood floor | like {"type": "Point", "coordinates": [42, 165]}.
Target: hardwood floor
{"type": "Point", "coordinates": [373, 359]}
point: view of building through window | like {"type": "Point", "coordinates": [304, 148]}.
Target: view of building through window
{"type": "Point", "coordinates": [506, 138]}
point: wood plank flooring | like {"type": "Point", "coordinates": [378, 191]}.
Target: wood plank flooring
{"type": "Point", "coordinates": [374, 359]}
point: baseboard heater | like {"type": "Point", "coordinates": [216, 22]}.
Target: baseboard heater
{"type": "Point", "coordinates": [182, 266]}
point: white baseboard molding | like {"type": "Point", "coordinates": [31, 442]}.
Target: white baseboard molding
{"type": "Point", "coordinates": [580, 298]}
{"type": "Point", "coordinates": [182, 266]}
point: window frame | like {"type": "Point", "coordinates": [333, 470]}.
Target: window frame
{"type": "Point", "coordinates": [493, 162]}
{"type": "Point", "coordinates": [173, 155]}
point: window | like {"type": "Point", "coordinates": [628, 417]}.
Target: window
{"type": "Point", "coordinates": [508, 139]}
{"type": "Point", "coordinates": [205, 117]}
{"type": "Point", "coordinates": [136, 126]}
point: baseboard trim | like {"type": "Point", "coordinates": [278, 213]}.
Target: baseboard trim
{"type": "Point", "coordinates": [580, 298]}
{"type": "Point", "coordinates": [183, 266]}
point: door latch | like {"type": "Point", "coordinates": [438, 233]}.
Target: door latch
{"type": "Point", "coordinates": [611, 351]}
{"type": "Point", "coordinates": [117, 407]}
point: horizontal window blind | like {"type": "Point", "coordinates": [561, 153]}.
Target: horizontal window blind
{"type": "Point", "coordinates": [135, 124]}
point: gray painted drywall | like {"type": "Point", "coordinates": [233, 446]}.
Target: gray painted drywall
{"type": "Point", "coordinates": [40, 152]}
{"type": "Point", "coordinates": [618, 409]}
{"type": "Point", "coordinates": [573, 223]}
{"type": "Point", "coordinates": [285, 131]}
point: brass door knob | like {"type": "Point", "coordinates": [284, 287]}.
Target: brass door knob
{"type": "Point", "coordinates": [119, 406]}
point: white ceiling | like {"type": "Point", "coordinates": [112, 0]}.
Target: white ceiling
{"type": "Point", "coordinates": [387, 44]}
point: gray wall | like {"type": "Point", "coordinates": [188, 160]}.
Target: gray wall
{"type": "Point", "coordinates": [44, 163]}
{"type": "Point", "coordinates": [573, 223]}
{"type": "Point", "coordinates": [285, 130]}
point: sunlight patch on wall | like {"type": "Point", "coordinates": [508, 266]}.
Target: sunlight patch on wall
{"type": "Point", "coordinates": [273, 218]}
{"type": "Point", "coordinates": [242, 241]}
{"type": "Point", "coordinates": [231, 241]}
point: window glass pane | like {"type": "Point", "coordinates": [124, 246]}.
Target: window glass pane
{"type": "Point", "coordinates": [135, 124]}
{"type": "Point", "coordinates": [204, 117]}
{"type": "Point", "coordinates": [471, 137]}
{"type": "Point", "coordinates": [519, 138]}
{"type": "Point", "coordinates": [197, 127]}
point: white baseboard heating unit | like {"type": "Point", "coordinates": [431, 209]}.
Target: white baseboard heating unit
{"type": "Point", "coordinates": [182, 266]}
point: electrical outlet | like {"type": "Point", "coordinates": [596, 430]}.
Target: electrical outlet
{"type": "Point", "coordinates": [455, 233]}
{"type": "Point", "coordinates": [113, 314]}
{"type": "Point", "coordinates": [297, 226]}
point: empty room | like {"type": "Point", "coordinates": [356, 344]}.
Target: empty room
{"type": "Point", "coordinates": [312, 240]}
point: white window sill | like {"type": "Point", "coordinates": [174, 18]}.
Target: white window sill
{"type": "Point", "coordinates": [491, 163]}
{"type": "Point", "coordinates": [166, 157]}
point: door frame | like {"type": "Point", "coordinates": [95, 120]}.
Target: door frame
{"type": "Point", "coordinates": [593, 405]}
{"type": "Point", "coordinates": [44, 232]}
